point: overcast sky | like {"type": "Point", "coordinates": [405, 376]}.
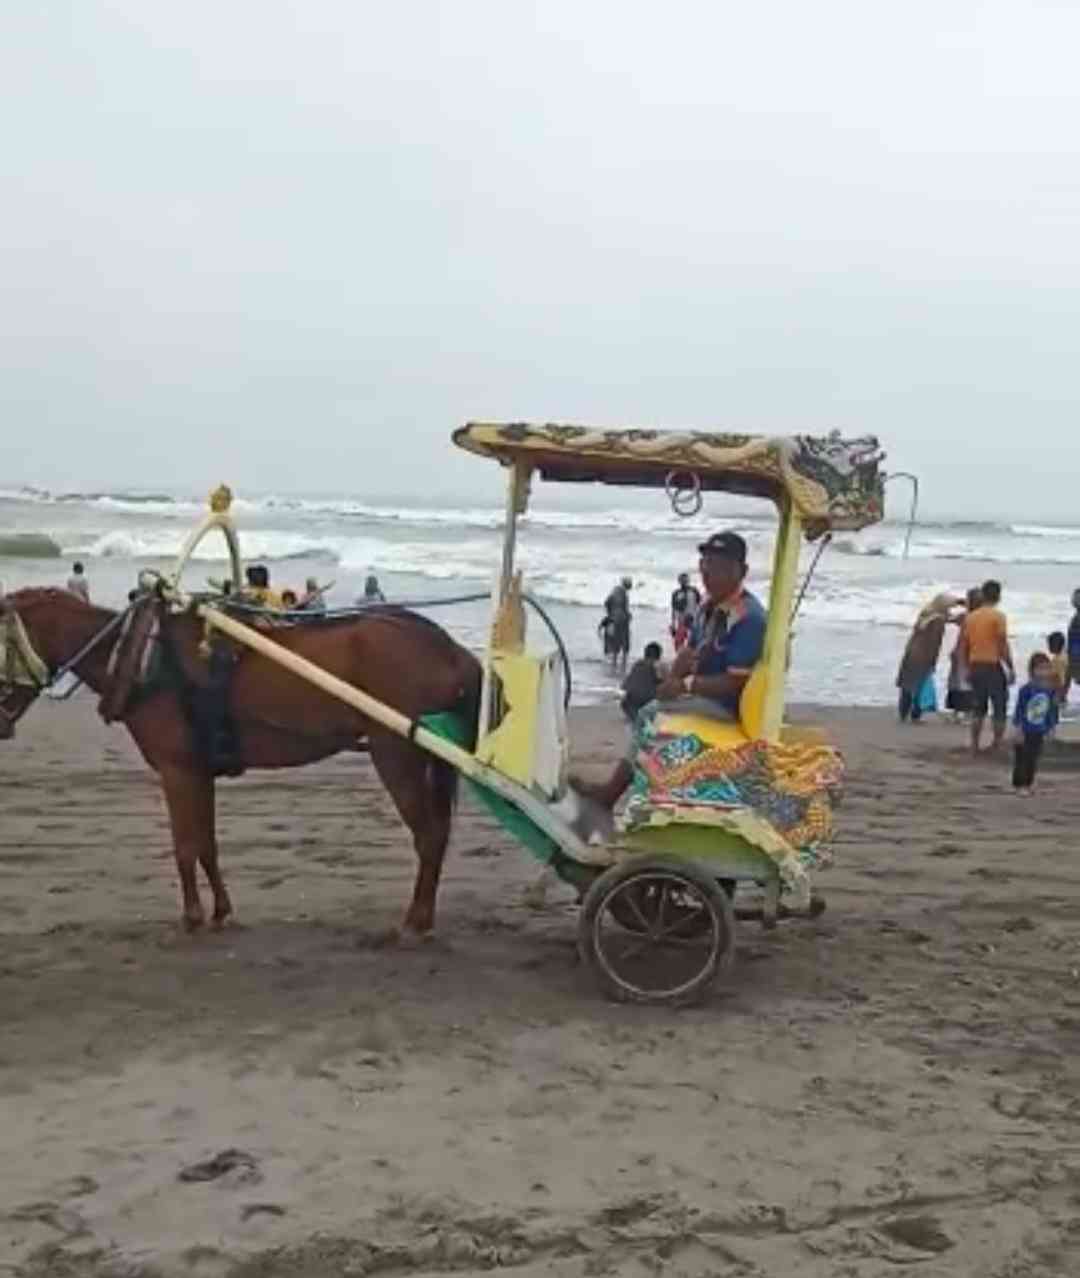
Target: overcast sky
{"type": "Point", "coordinates": [293, 244]}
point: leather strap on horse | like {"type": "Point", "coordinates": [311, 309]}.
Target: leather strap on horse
{"type": "Point", "coordinates": [129, 659]}
{"type": "Point", "coordinates": [18, 650]}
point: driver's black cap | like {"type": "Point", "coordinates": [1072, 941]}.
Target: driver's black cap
{"type": "Point", "coordinates": [728, 544]}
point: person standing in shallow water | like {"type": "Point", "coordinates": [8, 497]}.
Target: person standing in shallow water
{"type": "Point", "coordinates": [685, 601]}
{"type": "Point", "coordinates": [615, 626]}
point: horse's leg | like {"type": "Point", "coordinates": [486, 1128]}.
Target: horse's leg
{"type": "Point", "coordinates": [190, 799]}
{"type": "Point", "coordinates": [423, 793]}
{"type": "Point", "coordinates": [208, 859]}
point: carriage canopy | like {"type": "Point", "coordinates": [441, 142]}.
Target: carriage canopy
{"type": "Point", "coordinates": [831, 482]}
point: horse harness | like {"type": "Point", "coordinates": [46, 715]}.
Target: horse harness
{"type": "Point", "coordinates": [20, 667]}
{"type": "Point", "coordinates": [138, 664]}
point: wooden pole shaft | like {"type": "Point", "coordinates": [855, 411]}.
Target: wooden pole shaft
{"type": "Point", "coordinates": [390, 718]}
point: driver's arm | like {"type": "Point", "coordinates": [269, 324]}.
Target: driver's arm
{"type": "Point", "coordinates": [683, 663]}
{"type": "Point", "coordinates": [720, 686]}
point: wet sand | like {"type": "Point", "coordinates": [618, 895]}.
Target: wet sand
{"type": "Point", "coordinates": [891, 1088]}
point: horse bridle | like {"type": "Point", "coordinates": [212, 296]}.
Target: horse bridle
{"type": "Point", "coordinates": [20, 668]}
{"type": "Point", "coordinates": [23, 670]}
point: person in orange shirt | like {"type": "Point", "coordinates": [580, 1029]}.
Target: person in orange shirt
{"type": "Point", "coordinates": [988, 657]}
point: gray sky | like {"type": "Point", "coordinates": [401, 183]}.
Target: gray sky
{"type": "Point", "coordinates": [292, 244]}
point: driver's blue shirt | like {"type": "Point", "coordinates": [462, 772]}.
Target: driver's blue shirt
{"type": "Point", "coordinates": [729, 638]}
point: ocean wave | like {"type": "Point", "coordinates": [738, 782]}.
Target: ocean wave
{"type": "Point", "coordinates": [28, 546]}
{"type": "Point", "coordinates": [950, 550]}
{"type": "Point", "coordinates": [1045, 530]}
{"type": "Point", "coordinates": [164, 544]}
{"type": "Point", "coordinates": [445, 555]}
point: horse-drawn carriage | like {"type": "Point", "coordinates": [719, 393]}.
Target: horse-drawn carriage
{"type": "Point", "coordinates": [714, 806]}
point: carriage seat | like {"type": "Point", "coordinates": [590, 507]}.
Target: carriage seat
{"type": "Point", "coordinates": [729, 736]}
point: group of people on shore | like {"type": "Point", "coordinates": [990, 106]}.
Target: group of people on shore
{"type": "Point", "coordinates": [982, 670]}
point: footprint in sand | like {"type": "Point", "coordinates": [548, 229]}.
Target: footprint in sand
{"type": "Point", "coordinates": [920, 1233]}
{"type": "Point", "coordinates": [241, 1167]}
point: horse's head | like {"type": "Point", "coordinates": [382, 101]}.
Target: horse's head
{"type": "Point", "coordinates": [24, 674]}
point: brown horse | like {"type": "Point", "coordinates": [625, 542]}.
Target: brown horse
{"type": "Point", "coordinates": [279, 721]}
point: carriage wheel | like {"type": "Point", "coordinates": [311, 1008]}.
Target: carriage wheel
{"type": "Point", "coordinates": [682, 939]}
{"type": "Point", "coordinates": [632, 909]}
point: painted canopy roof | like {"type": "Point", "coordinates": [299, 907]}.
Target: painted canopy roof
{"type": "Point", "coordinates": [833, 483]}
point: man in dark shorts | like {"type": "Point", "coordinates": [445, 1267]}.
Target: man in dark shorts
{"type": "Point", "coordinates": [989, 659]}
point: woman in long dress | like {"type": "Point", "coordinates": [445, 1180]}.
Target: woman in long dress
{"type": "Point", "coordinates": [921, 655]}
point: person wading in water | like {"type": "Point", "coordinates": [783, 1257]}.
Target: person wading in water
{"type": "Point", "coordinates": [685, 601]}
{"type": "Point", "coordinates": [615, 626]}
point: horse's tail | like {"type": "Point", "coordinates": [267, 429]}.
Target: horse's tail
{"type": "Point", "coordinates": [469, 704]}
{"type": "Point", "coordinates": [442, 784]}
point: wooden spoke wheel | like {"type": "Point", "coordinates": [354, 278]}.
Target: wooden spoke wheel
{"type": "Point", "coordinates": [656, 929]}
{"type": "Point", "coordinates": [639, 902]}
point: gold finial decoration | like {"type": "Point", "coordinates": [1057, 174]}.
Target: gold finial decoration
{"type": "Point", "coordinates": [221, 499]}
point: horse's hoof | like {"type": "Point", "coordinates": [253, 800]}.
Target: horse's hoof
{"type": "Point", "coordinates": [408, 938]}
{"type": "Point", "coordinates": [192, 923]}
{"type": "Point", "coordinates": [221, 921]}
{"type": "Point", "coordinates": [387, 938]}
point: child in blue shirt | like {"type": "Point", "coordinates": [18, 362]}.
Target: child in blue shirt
{"type": "Point", "coordinates": [1036, 715]}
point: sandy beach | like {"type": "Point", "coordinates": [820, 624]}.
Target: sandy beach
{"type": "Point", "coordinates": [891, 1088]}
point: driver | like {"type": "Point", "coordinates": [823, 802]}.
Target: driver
{"type": "Point", "coordinates": [707, 677]}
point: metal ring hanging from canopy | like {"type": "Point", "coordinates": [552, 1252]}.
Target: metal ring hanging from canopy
{"type": "Point", "coordinates": [686, 498]}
